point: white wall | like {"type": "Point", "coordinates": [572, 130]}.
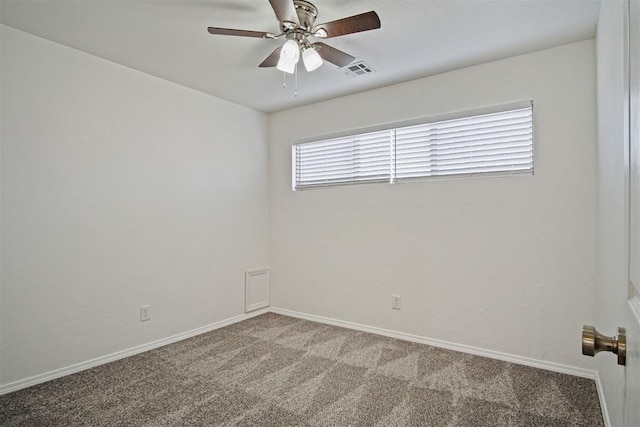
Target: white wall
{"type": "Point", "coordinates": [612, 191]}
{"type": "Point", "coordinates": [507, 264]}
{"type": "Point", "coordinates": [118, 190]}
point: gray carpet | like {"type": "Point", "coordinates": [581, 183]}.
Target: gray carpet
{"type": "Point", "coordinates": [275, 370]}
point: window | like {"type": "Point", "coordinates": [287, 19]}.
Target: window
{"type": "Point", "coordinates": [365, 157]}
{"type": "Point", "coordinates": [499, 142]}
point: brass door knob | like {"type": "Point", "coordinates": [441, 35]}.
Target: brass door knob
{"type": "Point", "coordinates": [593, 342]}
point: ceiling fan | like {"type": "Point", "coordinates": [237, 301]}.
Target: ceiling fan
{"type": "Point", "coordinates": [297, 19]}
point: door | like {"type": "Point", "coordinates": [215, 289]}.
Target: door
{"type": "Point", "coordinates": [632, 305]}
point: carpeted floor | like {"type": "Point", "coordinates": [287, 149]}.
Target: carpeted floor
{"type": "Point", "coordinates": [275, 370]}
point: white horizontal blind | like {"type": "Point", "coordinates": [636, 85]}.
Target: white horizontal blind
{"type": "Point", "coordinates": [494, 143]}
{"type": "Point", "coordinates": [488, 143]}
{"type": "Point", "coordinates": [352, 159]}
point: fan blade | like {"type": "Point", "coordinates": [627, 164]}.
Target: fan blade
{"type": "Point", "coordinates": [333, 55]}
{"type": "Point", "coordinates": [272, 60]}
{"type": "Point", "coordinates": [242, 33]}
{"type": "Point", "coordinates": [285, 12]}
{"type": "Point", "coordinates": [353, 24]}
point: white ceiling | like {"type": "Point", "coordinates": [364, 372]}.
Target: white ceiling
{"type": "Point", "coordinates": [169, 39]}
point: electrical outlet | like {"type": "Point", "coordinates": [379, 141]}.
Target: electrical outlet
{"type": "Point", "coordinates": [395, 302]}
{"type": "Point", "coordinates": [145, 313]}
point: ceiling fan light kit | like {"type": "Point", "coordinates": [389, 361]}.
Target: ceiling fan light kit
{"type": "Point", "coordinates": [311, 58]}
{"type": "Point", "coordinates": [289, 56]}
{"type": "Point", "coordinates": [297, 19]}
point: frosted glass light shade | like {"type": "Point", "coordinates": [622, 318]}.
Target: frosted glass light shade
{"type": "Point", "coordinates": [290, 51]}
{"type": "Point", "coordinates": [311, 59]}
{"type": "Point", "coordinates": [286, 66]}
{"type": "Point", "coordinates": [289, 56]}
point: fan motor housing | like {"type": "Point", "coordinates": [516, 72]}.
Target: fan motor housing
{"type": "Point", "coordinates": [307, 13]}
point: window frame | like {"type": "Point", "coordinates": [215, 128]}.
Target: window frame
{"type": "Point", "coordinates": [393, 126]}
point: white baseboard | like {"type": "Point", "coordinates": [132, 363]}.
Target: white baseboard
{"type": "Point", "coordinates": [603, 403]}
{"type": "Point", "coordinates": [550, 366]}
{"type": "Point", "coordinates": [47, 376]}
{"type": "Point", "coordinates": [535, 363]}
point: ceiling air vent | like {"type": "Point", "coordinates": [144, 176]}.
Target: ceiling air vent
{"type": "Point", "coordinates": [359, 68]}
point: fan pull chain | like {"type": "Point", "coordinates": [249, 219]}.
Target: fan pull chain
{"type": "Point", "coordinates": [284, 81]}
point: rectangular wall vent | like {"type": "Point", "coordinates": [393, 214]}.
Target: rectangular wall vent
{"type": "Point", "coordinates": [256, 289]}
{"type": "Point", "coordinates": [359, 68]}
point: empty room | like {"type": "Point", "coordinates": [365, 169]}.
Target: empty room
{"type": "Point", "coordinates": [320, 213]}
